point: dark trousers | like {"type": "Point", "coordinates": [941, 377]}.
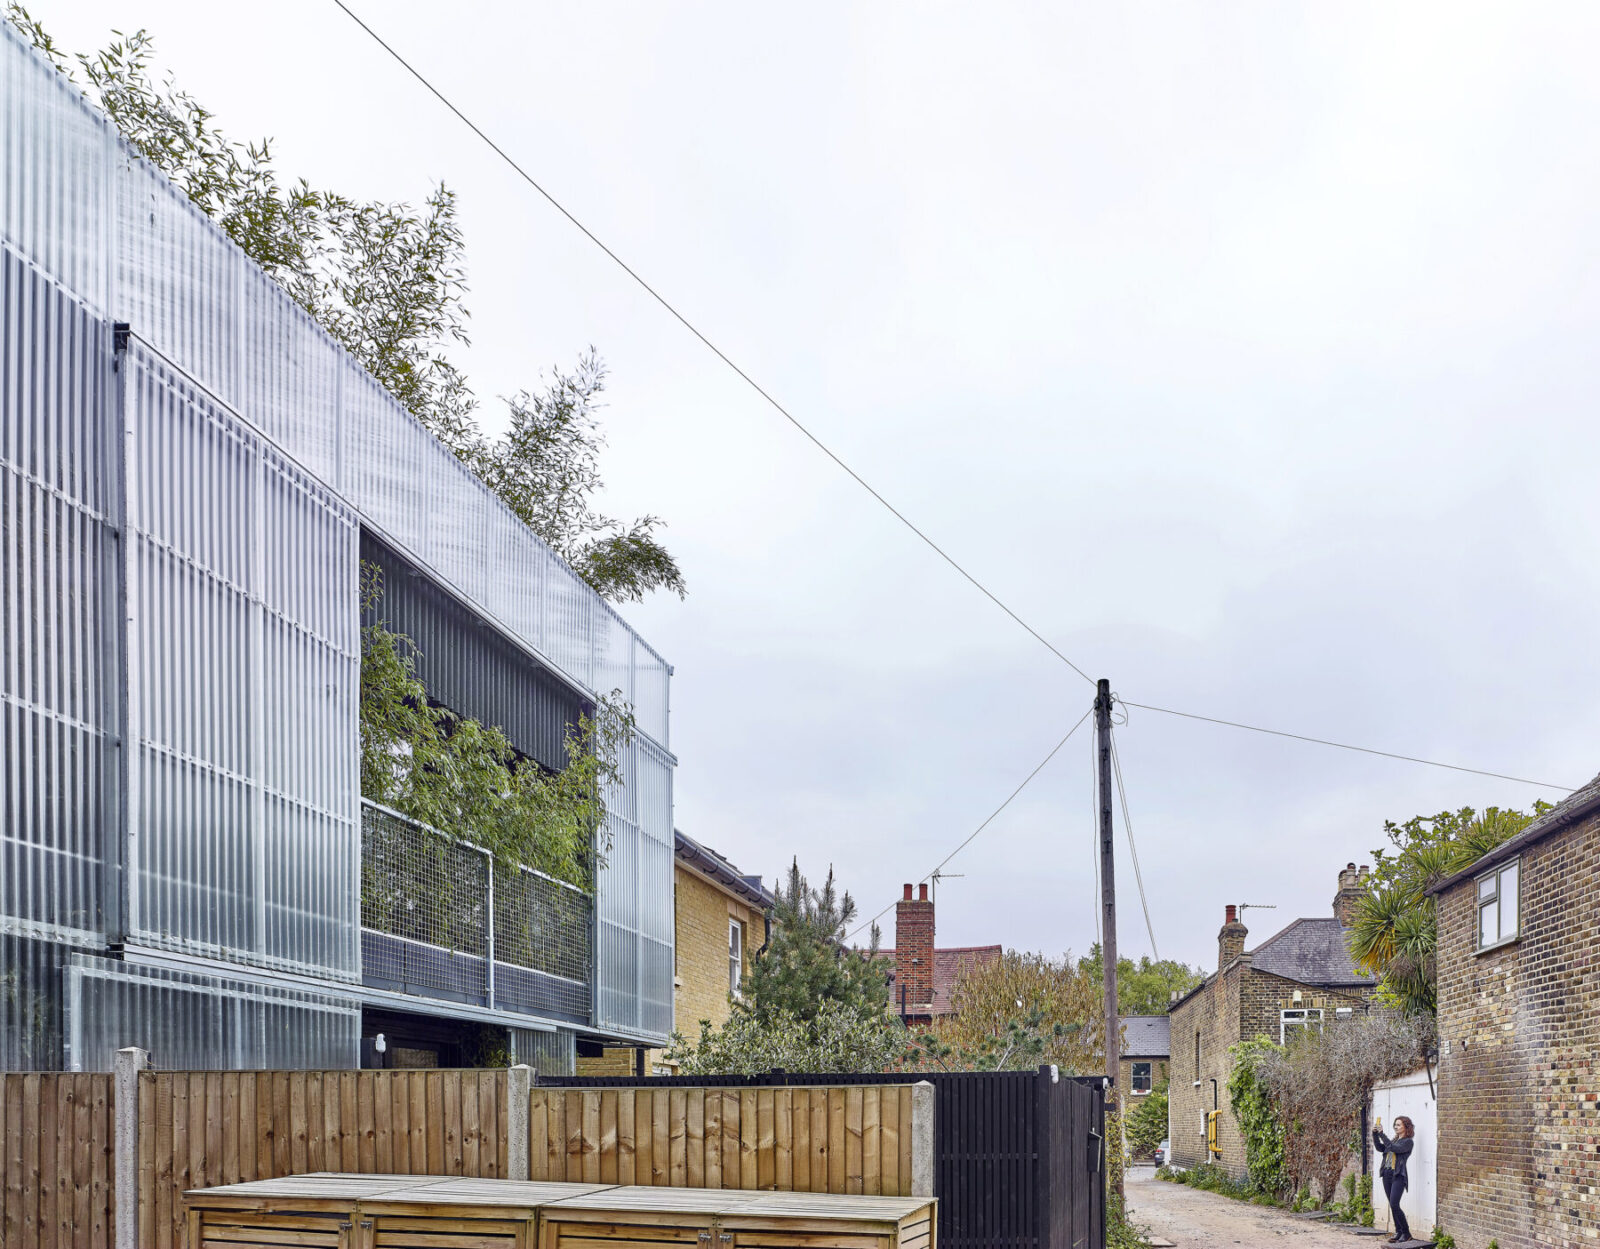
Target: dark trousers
{"type": "Point", "coordinates": [1394, 1189]}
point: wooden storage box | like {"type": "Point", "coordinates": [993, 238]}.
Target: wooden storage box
{"type": "Point", "coordinates": [432, 1212]}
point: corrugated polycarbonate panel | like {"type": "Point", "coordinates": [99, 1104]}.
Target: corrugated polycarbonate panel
{"type": "Point", "coordinates": [59, 606]}
{"type": "Point", "coordinates": [243, 688]}
{"type": "Point", "coordinates": [80, 206]}
{"type": "Point", "coordinates": [290, 379]}
{"type": "Point", "coordinates": [548, 1053]}
{"type": "Point", "coordinates": [197, 1021]}
{"type": "Point", "coordinates": [31, 1004]}
{"type": "Point", "coordinates": [179, 281]}
{"type": "Point", "coordinates": [57, 157]}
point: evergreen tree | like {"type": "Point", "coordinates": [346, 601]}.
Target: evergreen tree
{"type": "Point", "coordinates": [807, 961]}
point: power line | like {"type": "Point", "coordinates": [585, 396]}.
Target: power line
{"type": "Point", "coordinates": [832, 455]}
{"type": "Point", "coordinates": [1040, 768]}
{"type": "Point", "coordinates": [1366, 750]}
{"type": "Point", "coordinates": [1133, 850]}
{"type": "Point", "coordinates": [711, 346]}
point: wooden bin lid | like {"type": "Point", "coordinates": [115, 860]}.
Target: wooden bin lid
{"type": "Point", "coordinates": [395, 1193]}
{"type": "Point", "coordinates": [325, 1189]}
{"type": "Point", "coordinates": [741, 1203]}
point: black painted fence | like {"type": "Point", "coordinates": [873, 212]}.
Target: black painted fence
{"type": "Point", "coordinates": [1019, 1159]}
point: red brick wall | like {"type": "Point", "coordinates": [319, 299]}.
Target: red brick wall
{"type": "Point", "coordinates": [1519, 1028]}
{"type": "Point", "coordinates": [913, 952]}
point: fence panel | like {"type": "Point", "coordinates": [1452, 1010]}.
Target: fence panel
{"type": "Point", "coordinates": [841, 1139]}
{"type": "Point", "coordinates": [1018, 1161]}
{"type": "Point", "coordinates": [201, 1128]}
{"type": "Point", "coordinates": [56, 1177]}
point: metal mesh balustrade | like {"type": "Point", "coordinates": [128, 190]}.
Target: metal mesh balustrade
{"type": "Point", "coordinates": [425, 901]}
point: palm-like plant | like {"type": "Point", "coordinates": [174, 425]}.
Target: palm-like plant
{"type": "Point", "coordinates": [1394, 934]}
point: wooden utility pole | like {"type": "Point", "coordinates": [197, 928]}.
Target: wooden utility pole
{"type": "Point", "coordinates": [1108, 898]}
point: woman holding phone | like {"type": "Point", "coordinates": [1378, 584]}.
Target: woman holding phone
{"type": "Point", "coordinates": [1396, 1153]}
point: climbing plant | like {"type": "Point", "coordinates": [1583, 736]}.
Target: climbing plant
{"type": "Point", "coordinates": [466, 779]}
{"type": "Point", "coordinates": [1257, 1115]}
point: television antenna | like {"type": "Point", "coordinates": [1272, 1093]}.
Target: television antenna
{"type": "Point", "coordinates": [1255, 906]}
{"type": "Point", "coordinates": [933, 882]}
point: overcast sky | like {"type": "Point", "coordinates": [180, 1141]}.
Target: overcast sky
{"type": "Point", "coordinates": [1247, 351]}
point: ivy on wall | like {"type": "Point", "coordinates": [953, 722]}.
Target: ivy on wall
{"type": "Point", "coordinates": [1266, 1166]}
{"type": "Point", "coordinates": [466, 779]}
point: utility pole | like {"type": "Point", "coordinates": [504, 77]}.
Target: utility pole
{"type": "Point", "coordinates": [1108, 897]}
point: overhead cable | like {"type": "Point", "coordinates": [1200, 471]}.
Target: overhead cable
{"type": "Point", "coordinates": [714, 349]}
{"type": "Point", "coordinates": [968, 841]}
{"type": "Point", "coordinates": [1365, 750]}
{"type": "Point", "coordinates": [1133, 850]}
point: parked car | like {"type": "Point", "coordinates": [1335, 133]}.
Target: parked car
{"type": "Point", "coordinates": [1160, 1155]}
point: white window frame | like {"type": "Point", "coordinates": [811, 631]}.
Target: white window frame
{"type": "Point", "coordinates": [1297, 1018]}
{"type": "Point", "coordinates": [1491, 893]}
{"type": "Point", "coordinates": [735, 957]}
{"type": "Point", "coordinates": [1149, 1075]}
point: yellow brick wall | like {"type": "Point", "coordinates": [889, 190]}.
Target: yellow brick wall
{"type": "Point", "coordinates": [700, 981]}
{"type": "Point", "coordinates": [701, 984]}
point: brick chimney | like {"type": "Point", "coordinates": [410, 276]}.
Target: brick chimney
{"type": "Point", "coordinates": [1352, 886]}
{"type": "Point", "coordinates": [913, 953]}
{"type": "Point", "coordinates": [1230, 940]}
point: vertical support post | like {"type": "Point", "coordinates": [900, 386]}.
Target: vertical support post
{"type": "Point", "coordinates": [519, 1081]}
{"type": "Point", "coordinates": [126, 1066]}
{"type": "Point", "coordinates": [1108, 898]}
{"type": "Point", "coordinates": [922, 1139]}
{"type": "Point", "coordinates": [488, 962]}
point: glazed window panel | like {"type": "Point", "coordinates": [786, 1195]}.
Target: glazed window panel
{"type": "Point", "coordinates": [1499, 905]}
{"type": "Point", "coordinates": [1143, 1077]}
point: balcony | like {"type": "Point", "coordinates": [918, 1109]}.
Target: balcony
{"type": "Point", "coordinates": [440, 919]}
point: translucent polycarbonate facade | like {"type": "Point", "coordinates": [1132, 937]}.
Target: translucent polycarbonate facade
{"type": "Point", "coordinates": [194, 1020]}
{"type": "Point", "coordinates": [188, 783]}
{"type": "Point", "coordinates": [60, 673]}
{"type": "Point", "coordinates": [243, 692]}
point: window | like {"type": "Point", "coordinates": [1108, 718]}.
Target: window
{"type": "Point", "coordinates": [1498, 905]}
{"type": "Point", "coordinates": [1143, 1081]}
{"type": "Point", "coordinates": [1197, 1055]}
{"type": "Point", "coordinates": [735, 956]}
{"type": "Point", "coordinates": [1290, 1020]}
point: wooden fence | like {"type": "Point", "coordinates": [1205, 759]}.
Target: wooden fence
{"type": "Point", "coordinates": [201, 1128]}
{"type": "Point", "coordinates": [57, 1183]}
{"type": "Point", "coordinates": [1018, 1156]}
{"type": "Point", "coordinates": [847, 1139]}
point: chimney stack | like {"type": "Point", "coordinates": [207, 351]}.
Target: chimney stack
{"type": "Point", "coordinates": [1352, 887]}
{"type": "Point", "coordinates": [1230, 940]}
{"type": "Point", "coordinates": [913, 952]}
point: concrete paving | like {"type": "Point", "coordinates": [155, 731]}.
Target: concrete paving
{"type": "Point", "coordinates": [1191, 1219]}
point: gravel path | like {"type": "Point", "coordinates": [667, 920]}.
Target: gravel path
{"type": "Point", "coordinates": [1188, 1217]}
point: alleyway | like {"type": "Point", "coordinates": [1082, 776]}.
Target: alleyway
{"type": "Point", "coordinates": [1188, 1217]}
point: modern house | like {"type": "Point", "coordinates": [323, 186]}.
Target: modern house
{"type": "Point", "coordinates": [922, 979]}
{"type": "Point", "coordinates": [191, 473]}
{"type": "Point", "coordinates": [1302, 977]}
{"type": "Point", "coordinates": [722, 919]}
{"type": "Point", "coordinates": [1519, 1028]}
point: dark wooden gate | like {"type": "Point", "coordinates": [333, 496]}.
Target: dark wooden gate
{"type": "Point", "coordinates": [1019, 1159]}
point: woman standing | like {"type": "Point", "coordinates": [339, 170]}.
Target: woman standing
{"type": "Point", "coordinates": [1395, 1153]}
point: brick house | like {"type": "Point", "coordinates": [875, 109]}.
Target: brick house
{"type": "Point", "coordinates": [720, 918]}
{"type": "Point", "coordinates": [1302, 977]}
{"type": "Point", "coordinates": [1146, 1055]}
{"type": "Point", "coordinates": [922, 979]}
{"type": "Point", "coordinates": [1519, 1030]}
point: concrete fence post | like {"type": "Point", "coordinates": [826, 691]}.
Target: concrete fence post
{"type": "Point", "coordinates": [922, 1139]}
{"type": "Point", "coordinates": [519, 1081]}
{"type": "Point", "coordinates": [126, 1066]}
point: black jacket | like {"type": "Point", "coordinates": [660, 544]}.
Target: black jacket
{"type": "Point", "coordinates": [1395, 1154]}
